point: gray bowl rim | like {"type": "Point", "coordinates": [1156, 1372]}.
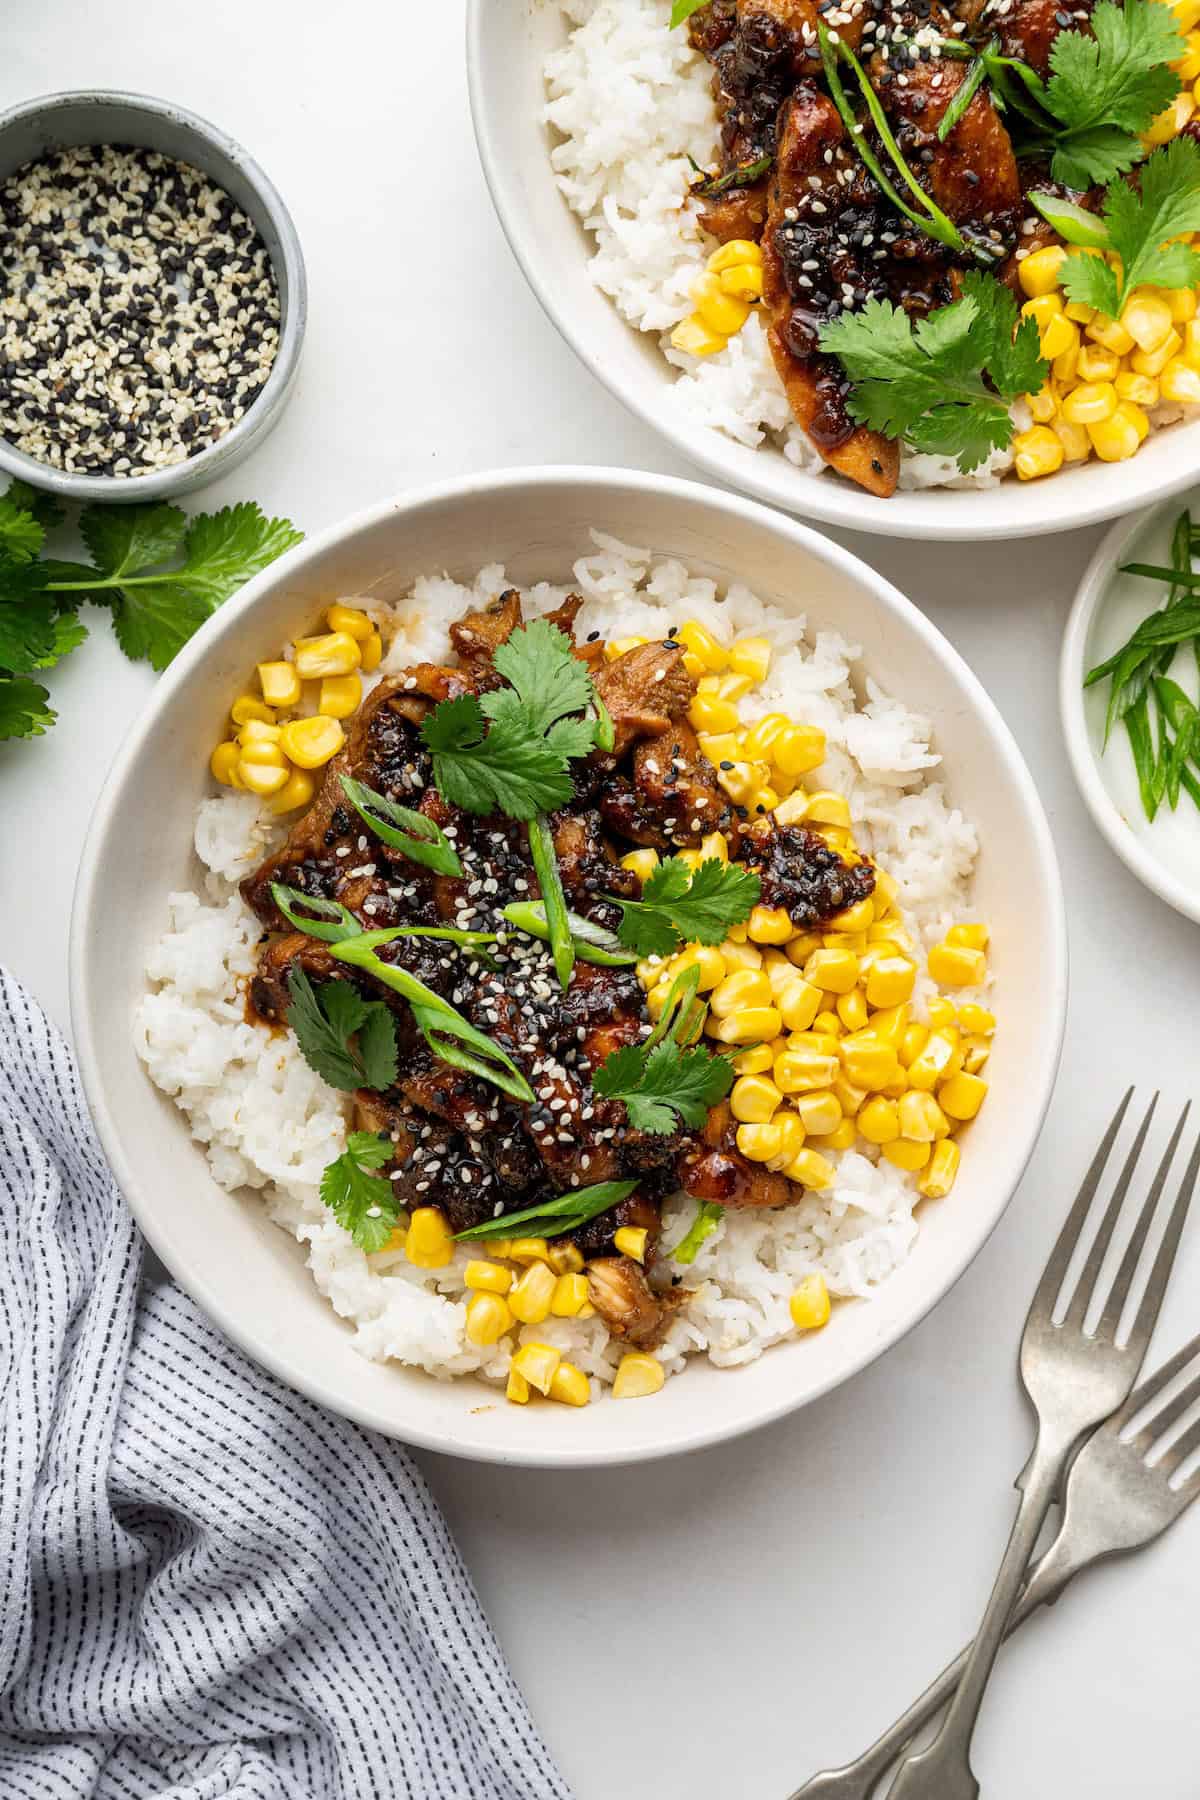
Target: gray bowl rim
{"type": "Point", "coordinates": [264, 413]}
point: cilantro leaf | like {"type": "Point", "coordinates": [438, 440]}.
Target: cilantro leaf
{"type": "Point", "coordinates": [507, 750]}
{"type": "Point", "coordinates": [678, 905]}
{"type": "Point", "coordinates": [1165, 205]}
{"type": "Point", "coordinates": [126, 539]}
{"type": "Point", "coordinates": [666, 1086]}
{"type": "Point", "coordinates": [1106, 85]}
{"type": "Point", "coordinates": [154, 623]}
{"type": "Point", "coordinates": [363, 1204]}
{"type": "Point", "coordinates": [325, 1019]}
{"type": "Point", "coordinates": [27, 630]}
{"type": "Point", "coordinates": [44, 507]}
{"type": "Point", "coordinates": [69, 633]}
{"type": "Point", "coordinates": [24, 708]}
{"type": "Point", "coordinates": [21, 535]}
{"type": "Point", "coordinates": [926, 382]}
{"type": "Point", "coordinates": [223, 550]}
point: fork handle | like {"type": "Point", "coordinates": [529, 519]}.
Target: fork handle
{"type": "Point", "coordinates": [859, 1779]}
{"type": "Point", "coordinates": [943, 1771]}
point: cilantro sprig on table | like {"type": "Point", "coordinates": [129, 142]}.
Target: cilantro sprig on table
{"type": "Point", "coordinates": [155, 609]}
{"type": "Point", "coordinates": [679, 905]}
{"type": "Point", "coordinates": [363, 1204]}
{"type": "Point", "coordinates": [924, 381]}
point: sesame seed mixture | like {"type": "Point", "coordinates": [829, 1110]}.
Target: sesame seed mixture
{"type": "Point", "coordinates": [140, 314]}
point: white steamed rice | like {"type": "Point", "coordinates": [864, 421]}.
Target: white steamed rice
{"type": "Point", "coordinates": [267, 1122]}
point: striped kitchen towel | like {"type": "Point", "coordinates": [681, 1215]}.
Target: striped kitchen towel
{"type": "Point", "coordinates": [212, 1589]}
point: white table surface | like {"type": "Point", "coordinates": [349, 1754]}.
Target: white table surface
{"type": "Point", "coordinates": [721, 1625]}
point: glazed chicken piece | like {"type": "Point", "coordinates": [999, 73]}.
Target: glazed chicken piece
{"type": "Point", "coordinates": [715, 1169]}
{"type": "Point", "coordinates": [645, 690]}
{"type": "Point", "coordinates": [1028, 28]}
{"type": "Point", "coordinates": [973, 176]}
{"type": "Point", "coordinates": [672, 798]}
{"type": "Point", "coordinates": [623, 1297]}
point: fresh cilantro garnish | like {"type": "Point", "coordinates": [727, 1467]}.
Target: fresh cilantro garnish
{"type": "Point", "coordinates": [1140, 221]}
{"type": "Point", "coordinates": [681, 906]}
{"type": "Point", "coordinates": [24, 708]}
{"type": "Point", "coordinates": [666, 1086]}
{"type": "Point", "coordinates": [708, 1216]}
{"type": "Point", "coordinates": [363, 1204]}
{"type": "Point", "coordinates": [554, 1218]}
{"type": "Point", "coordinates": [924, 382]}
{"type": "Point", "coordinates": [1106, 85]}
{"type": "Point", "coordinates": [326, 1019]}
{"type": "Point", "coordinates": [508, 750]}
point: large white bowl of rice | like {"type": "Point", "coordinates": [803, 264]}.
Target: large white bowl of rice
{"type": "Point", "coordinates": [218, 1130]}
{"type": "Point", "coordinates": [589, 116]}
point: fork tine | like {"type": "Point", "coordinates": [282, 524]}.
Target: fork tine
{"type": "Point", "coordinates": [1160, 1274]}
{"type": "Point", "coordinates": [1142, 1396]}
{"type": "Point", "coordinates": [1158, 1427]}
{"type": "Point", "coordinates": [1085, 1287]}
{"type": "Point", "coordinates": [1052, 1278]}
{"type": "Point", "coordinates": [1180, 1450]}
{"type": "Point", "coordinates": [1118, 1294]}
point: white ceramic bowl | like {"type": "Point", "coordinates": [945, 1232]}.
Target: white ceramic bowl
{"type": "Point", "coordinates": [1165, 855]}
{"type": "Point", "coordinates": [507, 42]}
{"type": "Point", "coordinates": [246, 1273]}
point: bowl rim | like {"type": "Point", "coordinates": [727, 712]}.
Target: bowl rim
{"type": "Point", "coordinates": [249, 1333]}
{"type": "Point", "coordinates": [943, 515]}
{"type": "Point", "coordinates": [290, 274]}
{"type": "Point", "coordinates": [1089, 598]}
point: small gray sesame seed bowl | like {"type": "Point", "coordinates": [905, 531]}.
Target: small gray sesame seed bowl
{"type": "Point", "coordinates": [66, 121]}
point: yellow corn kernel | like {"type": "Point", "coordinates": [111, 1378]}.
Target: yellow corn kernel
{"type": "Point", "coordinates": [854, 941]}
{"type": "Point", "coordinates": [279, 682]}
{"type": "Point", "coordinates": [962, 1096]}
{"type": "Point", "coordinates": [696, 338]}
{"type": "Point", "coordinates": [641, 863]}
{"type": "Point", "coordinates": [793, 809]}
{"type": "Point", "coordinates": [769, 925]}
{"type": "Point", "coordinates": [745, 987]}
{"type": "Point", "coordinates": [890, 981]}
{"type": "Point", "coordinates": [763, 799]}
{"type": "Point", "coordinates": [537, 1363]}
{"type": "Point", "coordinates": [488, 1318]}
{"type": "Point", "coordinates": [709, 713]}
{"type": "Point", "coordinates": [1143, 390]}
{"type": "Point", "coordinates": [528, 1250]}
{"type": "Point", "coordinates": [700, 643]}
{"type": "Point", "coordinates": [531, 1294]}
{"type": "Point", "coordinates": [499, 1246]}
{"type": "Point", "coordinates": [1182, 301]}
{"type": "Point", "coordinates": [826, 808]}
{"type": "Point", "coordinates": [1064, 366]}
{"type": "Point", "coordinates": [905, 1154]}
{"type": "Point", "coordinates": [921, 1118]}
{"type": "Point", "coordinates": [564, 1257]}
{"type": "Point", "coordinates": [939, 1175]}
{"type": "Point", "coordinates": [622, 646]}
{"type": "Point", "coordinates": [1038, 273]}
{"type": "Point", "coordinates": [249, 706]}
{"type": "Point", "coordinates": [749, 1025]}
{"type": "Point", "coordinates": [834, 971]}
{"type": "Point", "coordinates": [721, 746]}
{"type": "Point", "coordinates": [372, 653]}
{"type": "Point", "coordinates": [1096, 363]}
{"type": "Point", "coordinates": [310, 743]}
{"type": "Point", "coordinates": [869, 1066]}
{"type": "Point", "coordinates": [719, 311]}
{"type": "Point", "coordinates": [751, 656]}
{"type": "Point", "coordinates": [517, 1388]}
{"type": "Point", "coordinates": [957, 965]}
{"type": "Point", "coordinates": [223, 764]}
{"type": "Point", "coordinates": [1180, 382]}
{"type": "Point", "coordinates": [802, 946]}
{"type": "Point", "coordinates": [637, 1376]}
{"type": "Point", "coordinates": [714, 847]}
{"type": "Point", "coordinates": [819, 1113]}
{"type": "Point", "coordinates": [1043, 405]}
{"type": "Point", "coordinates": [791, 1137]}
{"type": "Point", "coordinates": [733, 252]}
{"type": "Point", "coordinates": [941, 1012]}
{"type": "Point", "coordinates": [1080, 312]}
{"type": "Point", "coordinates": [734, 684]}
{"type": "Point", "coordinates": [976, 1051]}
{"type": "Point", "coordinates": [1089, 403]}
{"type": "Point", "coordinates": [262, 778]}
{"type": "Point", "coordinates": [799, 750]}
{"type": "Point", "coordinates": [429, 1244]}
{"type": "Point", "coordinates": [738, 953]}
{"type": "Point", "coordinates": [799, 1003]}
{"type": "Point", "coordinates": [740, 779]}
{"type": "Point", "coordinates": [827, 1024]}
{"type": "Point", "coordinates": [744, 281]}
{"type": "Point", "coordinates": [1076, 444]}
{"type": "Point", "coordinates": [631, 1241]}
{"type": "Point", "coordinates": [656, 999]}
{"type": "Point", "coordinates": [759, 741]}
{"type": "Point", "coordinates": [691, 857]}
{"type": "Point", "coordinates": [940, 1058]}
{"type": "Point", "coordinates": [487, 1277]}
{"type": "Point", "coordinates": [976, 1019]}
{"type": "Point", "coordinates": [809, 1305]}
{"type": "Point", "coordinates": [570, 1295]}
{"type": "Point", "coordinates": [778, 970]}
{"type": "Point", "coordinates": [255, 731]}
{"type": "Point", "coordinates": [1170, 122]}
{"type": "Point", "coordinates": [1187, 13]}
{"type": "Point", "coordinates": [811, 1169]}
{"type": "Point", "coordinates": [844, 1136]}
{"type": "Point", "coordinates": [336, 653]}
{"type": "Point", "coordinates": [848, 1096]}
{"type": "Point", "coordinates": [975, 936]}
{"type": "Point", "coordinates": [890, 1023]}
{"type": "Point", "coordinates": [1115, 439]}
{"type": "Point", "coordinates": [755, 1061]}
{"type": "Point", "coordinates": [350, 619]}
{"type": "Point", "coordinates": [878, 1121]}
{"type": "Point", "coordinates": [569, 1385]}
{"type": "Point", "coordinates": [297, 790]}
{"type": "Point", "coordinates": [704, 957]}
{"type": "Point", "coordinates": [799, 1071]}
{"type": "Point", "coordinates": [339, 695]}
{"type": "Point", "coordinates": [911, 1044]}
{"type": "Point", "coordinates": [754, 1099]}
{"type": "Point", "coordinates": [1109, 332]}
{"type": "Point", "coordinates": [1036, 452]}
{"type": "Point", "coordinates": [852, 1009]}
{"type": "Point", "coordinates": [1188, 68]}
{"type": "Point", "coordinates": [1153, 362]}
{"type": "Point", "coordinates": [821, 1043]}
{"type": "Point", "coordinates": [884, 894]}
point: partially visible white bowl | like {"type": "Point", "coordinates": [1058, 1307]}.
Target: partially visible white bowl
{"type": "Point", "coordinates": [507, 43]}
{"type": "Point", "coordinates": [1165, 855]}
{"type": "Point", "coordinates": [246, 1273]}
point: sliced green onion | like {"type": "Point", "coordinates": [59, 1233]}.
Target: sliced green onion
{"type": "Point", "coordinates": [1073, 223]}
{"type": "Point", "coordinates": [966, 91]}
{"type": "Point", "coordinates": [567, 1213]}
{"type": "Point", "coordinates": [708, 1217]}
{"type": "Point", "coordinates": [683, 1013]}
{"type": "Point", "coordinates": [332, 923]}
{"type": "Point", "coordinates": [743, 176]}
{"type": "Point", "coordinates": [593, 943]}
{"type": "Point", "coordinates": [545, 867]}
{"type": "Point", "coordinates": [422, 840]}
{"type": "Point", "coordinates": [683, 9]}
{"type": "Point", "coordinates": [606, 731]}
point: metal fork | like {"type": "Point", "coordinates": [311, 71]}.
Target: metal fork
{"type": "Point", "coordinates": [1116, 1501]}
{"type": "Point", "coordinates": [1074, 1382]}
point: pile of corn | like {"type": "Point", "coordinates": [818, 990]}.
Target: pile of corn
{"type": "Point", "coordinates": [276, 745]}
{"type": "Point", "coordinates": [1106, 375]}
{"type": "Point", "coordinates": [730, 287]}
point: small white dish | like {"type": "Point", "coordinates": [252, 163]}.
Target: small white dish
{"type": "Point", "coordinates": [1165, 855]}
{"type": "Point", "coordinates": [247, 1274]}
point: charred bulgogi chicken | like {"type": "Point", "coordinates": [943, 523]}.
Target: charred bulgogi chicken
{"type": "Point", "coordinates": [459, 1143]}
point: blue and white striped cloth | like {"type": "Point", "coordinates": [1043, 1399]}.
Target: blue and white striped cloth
{"type": "Point", "coordinates": [212, 1589]}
